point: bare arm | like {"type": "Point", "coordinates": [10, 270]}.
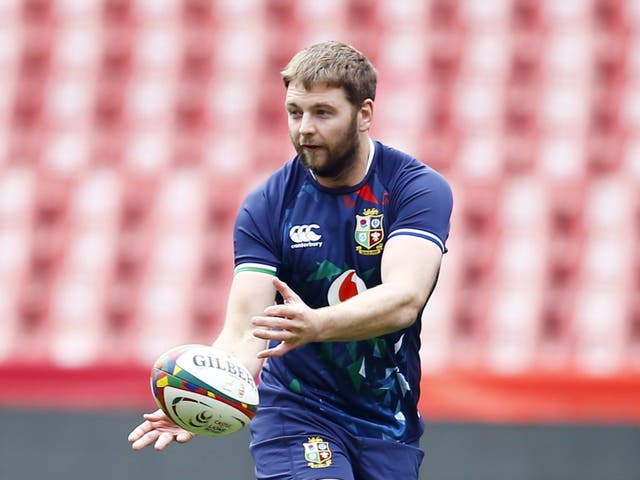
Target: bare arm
{"type": "Point", "coordinates": [249, 295]}
{"type": "Point", "coordinates": [410, 267]}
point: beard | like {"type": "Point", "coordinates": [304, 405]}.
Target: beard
{"type": "Point", "coordinates": [331, 161]}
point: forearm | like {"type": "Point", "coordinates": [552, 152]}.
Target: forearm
{"type": "Point", "coordinates": [380, 310]}
{"type": "Point", "coordinates": [250, 293]}
{"type": "Point", "coordinates": [243, 346]}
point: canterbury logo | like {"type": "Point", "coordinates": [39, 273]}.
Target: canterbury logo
{"type": "Point", "coordinates": [304, 236]}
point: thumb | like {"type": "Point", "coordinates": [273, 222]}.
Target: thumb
{"type": "Point", "coordinates": [288, 295]}
{"type": "Point", "coordinates": [154, 416]}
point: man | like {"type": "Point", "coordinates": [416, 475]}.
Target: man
{"type": "Point", "coordinates": [348, 237]}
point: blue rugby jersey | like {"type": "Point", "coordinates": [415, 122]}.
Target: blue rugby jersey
{"type": "Point", "coordinates": [326, 244]}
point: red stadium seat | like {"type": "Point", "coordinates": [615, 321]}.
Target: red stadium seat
{"type": "Point", "coordinates": [33, 302]}
{"type": "Point", "coordinates": [208, 308]}
{"type": "Point", "coordinates": [444, 14]}
{"type": "Point", "coordinates": [527, 50]}
{"type": "Point", "coordinates": [566, 207]}
{"type": "Point", "coordinates": [446, 50]}
{"type": "Point", "coordinates": [280, 12]}
{"type": "Point", "coordinates": [190, 110]}
{"type": "Point", "coordinates": [198, 12]}
{"type": "Point", "coordinates": [555, 335]}
{"type": "Point", "coordinates": [520, 153]}
{"type": "Point", "coordinates": [605, 152]}
{"type": "Point", "coordinates": [480, 206]}
{"type": "Point", "coordinates": [117, 52]}
{"type": "Point", "coordinates": [28, 103]}
{"type": "Point", "coordinates": [37, 11]}
{"type": "Point", "coordinates": [117, 11]}
{"type": "Point", "coordinates": [526, 14]}
{"type": "Point", "coordinates": [469, 327]}
{"type": "Point", "coordinates": [564, 258]}
{"type": "Point", "coordinates": [109, 103]}
{"type": "Point", "coordinates": [608, 13]}
{"type": "Point", "coordinates": [198, 53]}
{"type": "Point", "coordinates": [610, 56]}
{"type": "Point", "coordinates": [37, 49]}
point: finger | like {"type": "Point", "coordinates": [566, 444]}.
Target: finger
{"type": "Point", "coordinates": [163, 441]}
{"type": "Point", "coordinates": [288, 295]}
{"type": "Point", "coordinates": [139, 431]}
{"type": "Point", "coordinates": [155, 416]}
{"type": "Point", "coordinates": [145, 440]}
{"type": "Point", "coordinates": [184, 437]}
{"type": "Point", "coordinates": [276, 351]}
{"type": "Point", "coordinates": [283, 310]}
{"type": "Point", "coordinates": [272, 322]}
{"type": "Point", "coordinates": [275, 335]}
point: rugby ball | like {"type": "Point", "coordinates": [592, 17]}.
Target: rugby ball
{"type": "Point", "coordinates": [204, 390]}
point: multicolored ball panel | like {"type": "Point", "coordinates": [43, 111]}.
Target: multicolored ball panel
{"type": "Point", "coordinates": [161, 379]}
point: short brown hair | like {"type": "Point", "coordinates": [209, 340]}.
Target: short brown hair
{"type": "Point", "coordinates": [333, 64]}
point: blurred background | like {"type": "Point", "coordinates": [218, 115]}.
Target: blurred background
{"type": "Point", "coordinates": [130, 131]}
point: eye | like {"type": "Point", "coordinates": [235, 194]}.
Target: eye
{"type": "Point", "coordinates": [294, 113]}
{"type": "Point", "coordinates": [323, 113]}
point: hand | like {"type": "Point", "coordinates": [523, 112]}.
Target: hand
{"type": "Point", "coordinates": [293, 323]}
{"type": "Point", "coordinates": [157, 428]}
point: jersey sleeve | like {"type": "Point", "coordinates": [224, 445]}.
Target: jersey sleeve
{"type": "Point", "coordinates": [423, 207]}
{"type": "Point", "coordinates": [254, 237]}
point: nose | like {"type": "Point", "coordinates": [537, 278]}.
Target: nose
{"type": "Point", "coordinates": [307, 126]}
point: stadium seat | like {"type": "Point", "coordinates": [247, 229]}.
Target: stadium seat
{"type": "Point", "coordinates": [197, 55]}
{"type": "Point", "coordinates": [480, 205]}
{"type": "Point", "coordinates": [521, 108]}
{"type": "Point", "coordinates": [280, 12]}
{"type": "Point", "coordinates": [555, 334]}
{"type": "Point", "coordinates": [149, 101]}
{"type": "Point", "coordinates": [520, 153]}
{"type": "Point", "coordinates": [32, 309]}
{"type": "Point", "coordinates": [610, 55]}
{"type": "Point", "coordinates": [477, 257]}
{"type": "Point", "coordinates": [608, 13]}
{"type": "Point", "coordinates": [95, 202]}
{"type": "Point", "coordinates": [117, 11]}
{"type": "Point", "coordinates": [117, 52]}
{"type": "Point", "coordinates": [564, 258]}
{"type": "Point", "coordinates": [439, 149]}
{"type": "Point", "coordinates": [633, 331]}
{"type": "Point", "coordinates": [446, 49]}
{"type": "Point", "coordinates": [109, 103]}
{"type": "Point", "coordinates": [28, 103]}
{"type": "Point", "coordinates": [605, 152]}
{"type": "Point", "coordinates": [190, 111]}
{"type": "Point", "coordinates": [37, 10]}
{"type": "Point", "coordinates": [406, 15]}
{"type": "Point", "coordinates": [76, 322]}
{"type": "Point", "coordinates": [208, 308]}
{"type": "Point", "coordinates": [444, 13]}
{"type": "Point", "coordinates": [525, 61]}
{"type": "Point", "coordinates": [198, 12]}
{"type": "Point", "coordinates": [469, 328]}
{"type": "Point", "coordinates": [600, 329]}
{"type": "Point", "coordinates": [37, 46]}
{"type": "Point", "coordinates": [17, 197]}
{"type": "Point", "coordinates": [566, 206]}
{"type": "Point", "coordinates": [526, 14]}
{"type": "Point", "coordinates": [513, 319]}
{"type": "Point", "coordinates": [163, 304]}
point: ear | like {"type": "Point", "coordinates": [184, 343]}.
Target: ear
{"type": "Point", "coordinates": [365, 115]}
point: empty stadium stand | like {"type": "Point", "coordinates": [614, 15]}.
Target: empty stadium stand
{"type": "Point", "coordinates": [130, 130]}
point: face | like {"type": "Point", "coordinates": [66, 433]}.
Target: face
{"type": "Point", "coordinates": [324, 128]}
